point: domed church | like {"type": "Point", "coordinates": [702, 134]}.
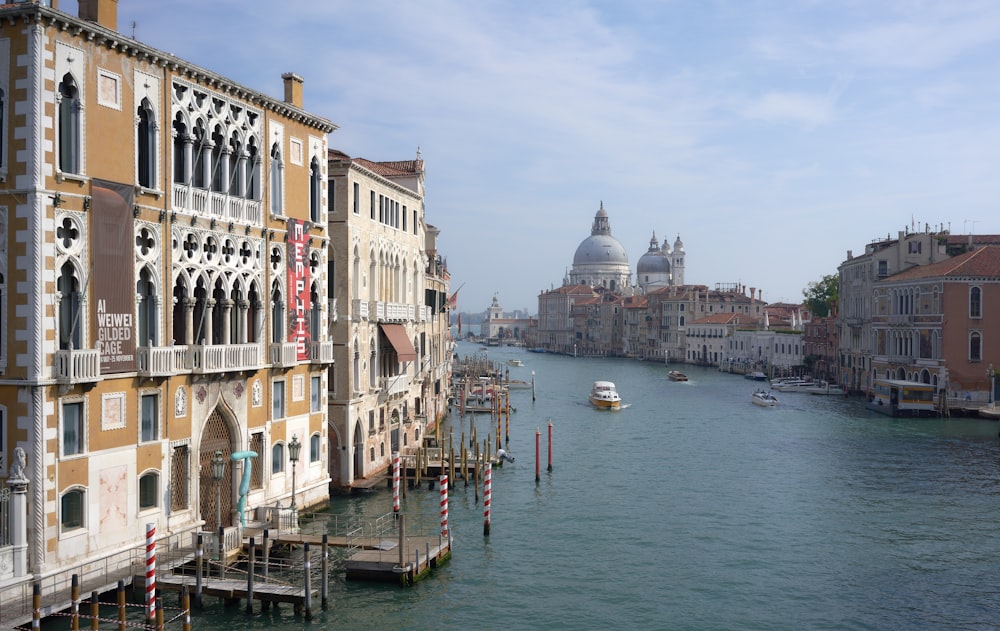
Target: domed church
{"type": "Point", "coordinates": [659, 267]}
{"type": "Point", "coordinates": [601, 260]}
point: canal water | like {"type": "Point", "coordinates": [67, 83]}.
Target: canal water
{"type": "Point", "coordinates": [691, 508]}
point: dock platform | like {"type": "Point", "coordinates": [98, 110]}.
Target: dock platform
{"type": "Point", "coordinates": [389, 564]}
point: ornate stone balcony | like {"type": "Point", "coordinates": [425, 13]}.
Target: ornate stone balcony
{"type": "Point", "coordinates": [284, 354]}
{"type": "Point", "coordinates": [78, 366]}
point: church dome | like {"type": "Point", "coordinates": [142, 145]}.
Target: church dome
{"type": "Point", "coordinates": [600, 248]}
{"type": "Point", "coordinates": [654, 261]}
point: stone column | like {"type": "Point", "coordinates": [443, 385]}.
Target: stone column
{"type": "Point", "coordinates": [18, 514]}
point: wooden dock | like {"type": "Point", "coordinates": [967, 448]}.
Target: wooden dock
{"type": "Point", "coordinates": [233, 589]}
{"type": "Point", "coordinates": [405, 566]}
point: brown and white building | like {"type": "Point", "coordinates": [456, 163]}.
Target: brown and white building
{"type": "Point", "coordinates": [163, 246]}
{"type": "Point", "coordinates": [391, 339]}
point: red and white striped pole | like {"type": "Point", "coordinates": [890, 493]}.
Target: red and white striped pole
{"type": "Point", "coordinates": [443, 482]}
{"type": "Point", "coordinates": [395, 483]}
{"type": "Point", "coordinates": [151, 571]}
{"type": "Point", "coordinates": [488, 497]}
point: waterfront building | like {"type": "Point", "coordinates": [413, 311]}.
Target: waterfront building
{"type": "Point", "coordinates": [707, 338]}
{"type": "Point", "coordinates": [937, 324]}
{"type": "Point", "coordinates": [391, 339]}
{"type": "Point", "coordinates": [555, 329]}
{"type": "Point", "coordinates": [162, 297]}
{"type": "Point", "coordinates": [881, 259]}
{"type": "Point", "coordinates": [638, 329]}
{"type": "Point", "coordinates": [497, 328]}
{"type": "Point", "coordinates": [819, 345]}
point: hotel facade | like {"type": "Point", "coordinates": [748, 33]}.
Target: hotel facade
{"type": "Point", "coordinates": [163, 247]}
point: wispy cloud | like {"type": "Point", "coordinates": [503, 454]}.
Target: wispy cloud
{"type": "Point", "coordinates": [828, 122]}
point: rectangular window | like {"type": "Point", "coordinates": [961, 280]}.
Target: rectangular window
{"type": "Point", "coordinates": [179, 463]}
{"type": "Point", "coordinates": [414, 222]}
{"type": "Point", "coordinates": [373, 205]}
{"type": "Point", "coordinates": [72, 428]}
{"type": "Point", "coordinates": [331, 189]}
{"type": "Point", "coordinates": [150, 417]}
{"type": "Point", "coordinates": [315, 395]}
{"type": "Point", "coordinates": [278, 400]}
{"type": "Point", "coordinates": [257, 464]}
{"type": "Point", "coordinates": [357, 198]}
{"type": "Point", "coordinates": [883, 269]}
{"type": "Point", "coordinates": [975, 302]}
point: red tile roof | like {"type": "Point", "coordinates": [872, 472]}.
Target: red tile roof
{"type": "Point", "coordinates": [982, 262]}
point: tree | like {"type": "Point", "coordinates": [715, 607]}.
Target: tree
{"type": "Point", "coordinates": [822, 296]}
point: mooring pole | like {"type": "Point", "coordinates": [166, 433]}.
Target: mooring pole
{"type": "Point", "coordinates": [550, 446]}
{"type": "Point", "coordinates": [199, 561]}
{"type": "Point", "coordinates": [324, 582]}
{"type": "Point", "coordinates": [251, 568]}
{"type": "Point", "coordinates": [538, 455]}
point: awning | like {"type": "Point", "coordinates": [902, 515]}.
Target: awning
{"type": "Point", "coordinates": [397, 337]}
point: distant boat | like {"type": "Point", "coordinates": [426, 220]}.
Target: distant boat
{"type": "Point", "coordinates": [604, 395]}
{"type": "Point", "coordinates": [515, 362]}
{"type": "Point", "coordinates": [990, 411]}
{"type": "Point", "coordinates": [756, 376]}
{"type": "Point", "coordinates": [790, 384]}
{"type": "Point", "coordinates": [676, 375]}
{"type": "Point", "coordinates": [764, 399]}
{"type": "Point", "coordinates": [537, 349]}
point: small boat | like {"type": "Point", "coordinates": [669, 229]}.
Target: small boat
{"type": "Point", "coordinates": [822, 387]}
{"type": "Point", "coordinates": [756, 376]}
{"type": "Point", "coordinates": [515, 362]}
{"type": "Point", "coordinates": [990, 411]}
{"type": "Point", "coordinates": [792, 384]}
{"type": "Point", "coordinates": [537, 349]}
{"type": "Point", "coordinates": [604, 395]}
{"type": "Point", "coordinates": [676, 375]}
{"type": "Point", "coordinates": [764, 399]}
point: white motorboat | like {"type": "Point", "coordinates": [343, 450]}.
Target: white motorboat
{"type": "Point", "coordinates": [792, 384]}
{"type": "Point", "coordinates": [990, 411]}
{"type": "Point", "coordinates": [764, 399]}
{"type": "Point", "coordinates": [604, 395]}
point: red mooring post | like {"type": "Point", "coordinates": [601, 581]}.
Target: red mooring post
{"type": "Point", "coordinates": [538, 455]}
{"type": "Point", "coordinates": [488, 497]}
{"type": "Point", "coordinates": [151, 573]}
{"type": "Point", "coordinates": [444, 505]}
{"type": "Point", "coordinates": [550, 447]}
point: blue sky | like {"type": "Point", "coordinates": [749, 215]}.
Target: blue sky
{"type": "Point", "coordinates": [773, 137]}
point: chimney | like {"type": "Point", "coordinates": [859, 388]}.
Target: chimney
{"type": "Point", "coordinates": [293, 89]}
{"type": "Point", "coordinates": [104, 12]}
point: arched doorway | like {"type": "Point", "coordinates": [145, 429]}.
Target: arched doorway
{"type": "Point", "coordinates": [359, 452]}
{"type": "Point", "coordinates": [215, 437]}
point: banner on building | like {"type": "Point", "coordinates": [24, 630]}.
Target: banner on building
{"type": "Point", "coordinates": [113, 279]}
{"type": "Point", "coordinates": [299, 305]}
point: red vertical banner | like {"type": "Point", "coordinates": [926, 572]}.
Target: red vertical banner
{"type": "Point", "coordinates": [299, 305]}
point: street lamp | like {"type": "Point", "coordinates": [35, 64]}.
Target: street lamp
{"type": "Point", "coordinates": [992, 376]}
{"type": "Point", "coordinates": [293, 454]}
{"type": "Point", "coordinates": [218, 472]}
